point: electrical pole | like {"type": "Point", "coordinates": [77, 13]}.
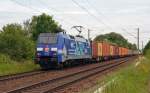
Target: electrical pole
{"type": "Point", "coordinates": [138, 38]}
{"type": "Point", "coordinates": [78, 28]}
{"type": "Point", "coordinates": [142, 47]}
{"type": "Point", "coordinates": [89, 34]}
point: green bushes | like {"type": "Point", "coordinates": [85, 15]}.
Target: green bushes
{"type": "Point", "coordinates": [135, 78]}
{"type": "Point", "coordinates": [147, 53]}
{"type": "Point", "coordinates": [16, 67]}
{"type": "Point", "coordinates": [5, 59]}
{"type": "Point", "coordinates": [147, 47]}
{"type": "Point", "coordinates": [117, 39]}
{"type": "Point", "coordinates": [15, 51]}
{"type": "Point", "coordinates": [18, 41]}
{"type": "Point", "coordinates": [15, 43]}
{"type": "Point", "coordinates": [9, 66]}
{"type": "Point", "coordinates": [132, 79]}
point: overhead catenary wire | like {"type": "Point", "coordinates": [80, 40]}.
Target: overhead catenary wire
{"type": "Point", "coordinates": [25, 6]}
{"type": "Point", "coordinates": [85, 9]}
{"type": "Point", "coordinates": [92, 15]}
{"type": "Point", "coordinates": [129, 33]}
{"type": "Point", "coordinates": [52, 8]}
{"type": "Point", "coordinates": [108, 19]}
{"type": "Point", "coordinates": [95, 16]}
{"type": "Point", "coordinates": [35, 9]}
{"type": "Point", "coordinates": [56, 10]}
{"type": "Point", "coordinates": [88, 2]}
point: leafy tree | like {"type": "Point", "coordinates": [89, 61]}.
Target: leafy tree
{"type": "Point", "coordinates": [27, 28]}
{"type": "Point", "coordinates": [134, 46]}
{"type": "Point", "coordinates": [15, 43]}
{"type": "Point", "coordinates": [147, 47]}
{"type": "Point", "coordinates": [116, 39]}
{"type": "Point", "coordinates": [43, 23]}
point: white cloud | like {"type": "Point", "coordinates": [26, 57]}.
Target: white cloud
{"type": "Point", "coordinates": [73, 13]}
{"type": "Point", "coordinates": [117, 14]}
{"type": "Point", "coordinates": [8, 6]}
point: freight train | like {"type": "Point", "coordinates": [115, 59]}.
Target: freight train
{"type": "Point", "coordinates": [59, 49]}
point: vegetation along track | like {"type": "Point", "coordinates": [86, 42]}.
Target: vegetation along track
{"type": "Point", "coordinates": [49, 86]}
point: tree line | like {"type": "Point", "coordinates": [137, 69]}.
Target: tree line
{"type": "Point", "coordinates": [117, 39]}
{"type": "Point", "coordinates": [18, 41]}
{"type": "Point", "coordinates": [147, 48]}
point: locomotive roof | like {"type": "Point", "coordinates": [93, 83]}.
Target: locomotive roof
{"type": "Point", "coordinates": [76, 38]}
{"type": "Point", "coordinates": [47, 34]}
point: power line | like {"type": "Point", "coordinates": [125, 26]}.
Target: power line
{"type": "Point", "coordinates": [24, 5]}
{"type": "Point", "coordinates": [52, 8]}
{"type": "Point", "coordinates": [105, 17]}
{"type": "Point", "coordinates": [96, 10]}
{"type": "Point", "coordinates": [69, 21]}
{"type": "Point", "coordinates": [92, 15]}
{"type": "Point", "coordinates": [129, 33]}
{"type": "Point", "coordinates": [35, 9]}
{"type": "Point", "coordinates": [38, 10]}
{"type": "Point", "coordinates": [138, 41]}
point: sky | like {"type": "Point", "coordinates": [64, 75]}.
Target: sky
{"type": "Point", "coordinates": [100, 16]}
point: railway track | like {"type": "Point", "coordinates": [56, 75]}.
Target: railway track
{"type": "Point", "coordinates": [51, 85]}
{"type": "Point", "coordinates": [19, 76]}
{"type": "Point", "coordinates": [7, 78]}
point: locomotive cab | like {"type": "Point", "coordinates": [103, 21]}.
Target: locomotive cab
{"type": "Point", "coordinates": [47, 50]}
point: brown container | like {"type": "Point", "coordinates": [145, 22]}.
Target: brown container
{"type": "Point", "coordinates": [112, 50]}
{"type": "Point", "coordinates": [106, 49]}
{"type": "Point", "coordinates": [120, 51]}
{"type": "Point", "coordinates": [94, 49]}
{"type": "Point", "coordinates": [116, 51]}
{"type": "Point", "coordinates": [100, 49]}
{"type": "Point", "coordinates": [127, 50]}
{"type": "Point", "coordinates": [124, 51]}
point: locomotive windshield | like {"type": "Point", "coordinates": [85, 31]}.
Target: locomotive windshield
{"type": "Point", "coordinates": [46, 38]}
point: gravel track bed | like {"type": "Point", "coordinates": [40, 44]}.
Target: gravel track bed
{"type": "Point", "coordinates": [9, 85]}
{"type": "Point", "coordinates": [86, 84]}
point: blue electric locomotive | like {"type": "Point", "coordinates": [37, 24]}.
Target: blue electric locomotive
{"type": "Point", "coordinates": [53, 50]}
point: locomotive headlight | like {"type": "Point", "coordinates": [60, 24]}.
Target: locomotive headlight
{"type": "Point", "coordinates": [39, 49]}
{"type": "Point", "coordinates": [53, 49]}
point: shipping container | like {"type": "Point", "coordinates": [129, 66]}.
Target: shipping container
{"type": "Point", "coordinates": [124, 52]}
{"type": "Point", "coordinates": [103, 50]}
{"type": "Point", "coordinates": [116, 51]}
{"type": "Point", "coordinates": [100, 49]}
{"type": "Point", "coordinates": [112, 50]}
{"type": "Point", "coordinates": [121, 51]}
{"type": "Point", "coordinates": [106, 50]}
{"type": "Point", "coordinates": [94, 50]}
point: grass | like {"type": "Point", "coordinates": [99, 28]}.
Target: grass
{"type": "Point", "coordinates": [131, 79]}
{"type": "Point", "coordinates": [8, 66]}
